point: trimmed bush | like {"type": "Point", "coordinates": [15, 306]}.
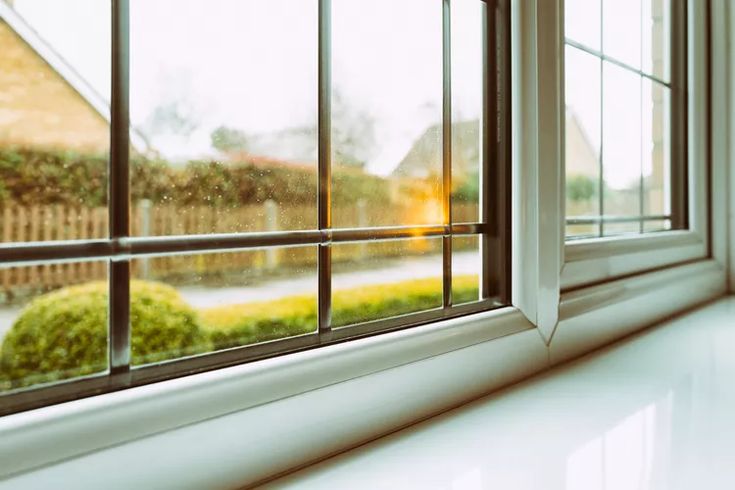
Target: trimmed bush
{"type": "Point", "coordinates": [63, 334]}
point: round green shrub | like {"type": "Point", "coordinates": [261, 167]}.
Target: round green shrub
{"type": "Point", "coordinates": [63, 334]}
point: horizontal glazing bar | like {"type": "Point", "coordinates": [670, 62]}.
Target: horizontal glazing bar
{"type": "Point", "coordinates": [30, 252]}
{"type": "Point", "coordinates": [34, 252]}
{"type": "Point", "coordinates": [74, 389]}
{"type": "Point", "coordinates": [590, 220]}
{"type": "Point", "coordinates": [625, 66]}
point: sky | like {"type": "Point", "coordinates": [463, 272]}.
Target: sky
{"type": "Point", "coordinates": [252, 65]}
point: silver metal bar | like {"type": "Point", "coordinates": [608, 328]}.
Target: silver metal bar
{"type": "Point", "coordinates": [324, 193]}
{"type": "Point", "coordinates": [601, 180]}
{"type": "Point", "coordinates": [447, 150]}
{"type": "Point", "coordinates": [233, 241]}
{"type": "Point", "coordinates": [119, 188]}
{"type": "Point", "coordinates": [591, 220]}
{"type": "Point", "coordinates": [34, 253]}
{"type": "Point", "coordinates": [641, 182]}
{"type": "Point", "coordinates": [604, 57]}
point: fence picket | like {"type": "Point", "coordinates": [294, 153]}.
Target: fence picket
{"type": "Point", "coordinates": [7, 237]}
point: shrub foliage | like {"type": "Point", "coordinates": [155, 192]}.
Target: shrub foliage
{"type": "Point", "coordinates": [63, 334]}
{"type": "Point", "coordinates": [35, 177]}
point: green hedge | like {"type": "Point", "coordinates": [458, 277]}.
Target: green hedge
{"type": "Point", "coordinates": [34, 177]}
{"type": "Point", "coordinates": [63, 334]}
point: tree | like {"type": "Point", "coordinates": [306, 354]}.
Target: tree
{"type": "Point", "coordinates": [581, 188]}
{"type": "Point", "coordinates": [176, 113]}
{"type": "Point", "coordinates": [227, 139]}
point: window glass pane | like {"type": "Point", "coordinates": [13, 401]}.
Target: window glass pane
{"type": "Point", "coordinates": [657, 225]}
{"type": "Point", "coordinates": [621, 30]}
{"type": "Point", "coordinates": [53, 322]}
{"type": "Point", "coordinates": [586, 230]}
{"type": "Point", "coordinates": [612, 229]}
{"type": "Point", "coordinates": [656, 38]}
{"type": "Point", "coordinates": [582, 22]}
{"type": "Point", "coordinates": [656, 149]}
{"type": "Point", "coordinates": [376, 280]}
{"type": "Point", "coordinates": [466, 267]}
{"type": "Point", "coordinates": [225, 92]}
{"type": "Point", "coordinates": [190, 304]}
{"type": "Point", "coordinates": [622, 135]}
{"type": "Point", "coordinates": [386, 112]}
{"type": "Point", "coordinates": [54, 119]}
{"type": "Point", "coordinates": [467, 39]}
{"type": "Point", "coordinates": [582, 143]}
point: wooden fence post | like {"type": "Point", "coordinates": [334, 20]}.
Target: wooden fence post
{"type": "Point", "coordinates": [271, 224]}
{"type": "Point", "coordinates": [7, 237]}
{"type": "Point", "coordinates": [362, 222]}
{"type": "Point", "coordinates": [144, 217]}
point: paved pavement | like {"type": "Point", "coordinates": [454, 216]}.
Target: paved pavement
{"type": "Point", "coordinates": [389, 271]}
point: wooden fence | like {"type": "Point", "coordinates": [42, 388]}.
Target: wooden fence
{"type": "Point", "coordinates": [45, 223]}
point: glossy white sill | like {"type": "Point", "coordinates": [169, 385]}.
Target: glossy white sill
{"type": "Point", "coordinates": [656, 411]}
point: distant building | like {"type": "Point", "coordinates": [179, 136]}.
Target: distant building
{"type": "Point", "coordinates": [581, 156]}
{"type": "Point", "coordinates": [424, 159]}
{"type": "Point", "coordinates": [44, 102]}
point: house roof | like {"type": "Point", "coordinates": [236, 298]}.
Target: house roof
{"type": "Point", "coordinates": [425, 153]}
{"type": "Point", "coordinates": [19, 25]}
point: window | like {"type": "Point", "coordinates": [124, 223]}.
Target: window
{"type": "Point", "coordinates": [626, 117]}
{"type": "Point", "coordinates": [282, 174]}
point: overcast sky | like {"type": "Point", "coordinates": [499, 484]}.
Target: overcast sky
{"type": "Point", "coordinates": [252, 65]}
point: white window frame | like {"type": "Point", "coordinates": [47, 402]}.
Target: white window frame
{"type": "Point", "coordinates": [595, 260]}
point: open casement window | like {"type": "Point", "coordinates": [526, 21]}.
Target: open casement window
{"type": "Point", "coordinates": [635, 136]}
{"type": "Point", "coordinates": [252, 178]}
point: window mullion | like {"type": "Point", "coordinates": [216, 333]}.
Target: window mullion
{"type": "Point", "coordinates": [494, 162]}
{"type": "Point", "coordinates": [324, 197]}
{"type": "Point", "coordinates": [679, 114]}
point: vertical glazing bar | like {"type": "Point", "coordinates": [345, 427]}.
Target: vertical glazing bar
{"type": "Point", "coordinates": [324, 197]}
{"type": "Point", "coordinates": [641, 181]}
{"type": "Point", "coordinates": [447, 150]}
{"type": "Point", "coordinates": [118, 185]}
{"type": "Point", "coordinates": [487, 151]}
{"type": "Point", "coordinates": [601, 180]}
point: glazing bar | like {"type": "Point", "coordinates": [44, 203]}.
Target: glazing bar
{"type": "Point", "coordinates": [119, 188]}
